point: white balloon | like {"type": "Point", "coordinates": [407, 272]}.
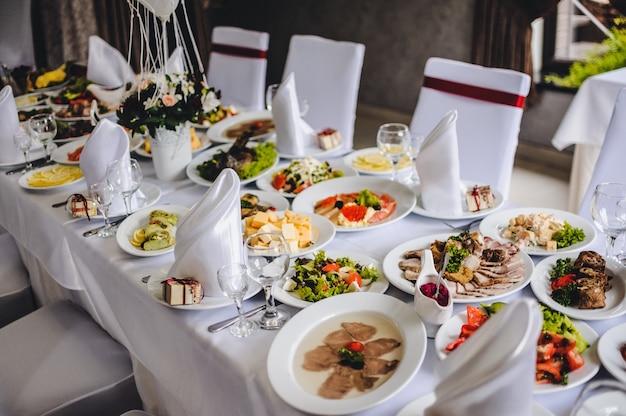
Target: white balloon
{"type": "Point", "coordinates": [161, 8]}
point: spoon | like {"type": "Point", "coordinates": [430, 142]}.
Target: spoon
{"type": "Point", "coordinates": [446, 259]}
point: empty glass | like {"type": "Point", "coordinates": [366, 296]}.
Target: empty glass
{"type": "Point", "coordinates": [101, 193]}
{"type": "Point", "coordinates": [607, 215]}
{"type": "Point", "coordinates": [267, 258]}
{"type": "Point", "coordinates": [415, 142]}
{"type": "Point", "coordinates": [23, 141]}
{"type": "Point", "coordinates": [393, 141]}
{"type": "Point", "coordinates": [125, 177]}
{"type": "Point", "coordinates": [269, 98]}
{"type": "Point", "coordinates": [43, 128]}
{"type": "Point", "coordinates": [233, 279]}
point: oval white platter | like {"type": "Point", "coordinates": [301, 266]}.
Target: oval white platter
{"type": "Point", "coordinates": [23, 180]}
{"type": "Point", "coordinates": [404, 197]}
{"type": "Point", "coordinates": [216, 132]}
{"type": "Point", "coordinates": [303, 331]}
{"type": "Point", "coordinates": [493, 225]}
{"type": "Point", "coordinates": [140, 219]}
{"type": "Point", "coordinates": [379, 286]}
{"type": "Point", "coordinates": [265, 182]}
{"type": "Point", "coordinates": [199, 159]}
{"type": "Point", "coordinates": [450, 330]}
{"type": "Point", "coordinates": [615, 305]}
{"type": "Point", "coordinates": [352, 156]}
{"type": "Point", "coordinates": [394, 274]}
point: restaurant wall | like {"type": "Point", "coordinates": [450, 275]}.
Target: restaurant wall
{"type": "Point", "coordinates": [399, 36]}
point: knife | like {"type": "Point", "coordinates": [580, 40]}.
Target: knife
{"type": "Point", "coordinates": [95, 230]}
{"type": "Point", "coordinates": [230, 321]}
{"type": "Point", "coordinates": [36, 164]}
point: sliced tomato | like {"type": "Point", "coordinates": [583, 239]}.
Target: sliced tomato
{"type": "Point", "coordinates": [467, 330]}
{"type": "Point", "coordinates": [331, 267]}
{"type": "Point", "coordinates": [354, 213]}
{"type": "Point", "coordinates": [545, 352]}
{"type": "Point", "coordinates": [574, 360]}
{"type": "Point", "coordinates": [354, 277]}
{"type": "Point", "coordinates": [454, 344]}
{"type": "Point", "coordinates": [355, 346]}
{"type": "Point", "coordinates": [475, 316]}
{"type": "Point", "coordinates": [548, 372]}
{"type": "Point", "coordinates": [279, 181]}
{"type": "Point", "coordinates": [562, 281]}
{"type": "Point", "coordinates": [301, 187]}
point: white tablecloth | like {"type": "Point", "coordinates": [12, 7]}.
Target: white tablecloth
{"type": "Point", "coordinates": [584, 125]}
{"type": "Point", "coordinates": [181, 368]}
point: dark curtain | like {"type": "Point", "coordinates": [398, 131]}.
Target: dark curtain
{"type": "Point", "coordinates": [113, 20]}
{"type": "Point", "coordinates": [502, 33]}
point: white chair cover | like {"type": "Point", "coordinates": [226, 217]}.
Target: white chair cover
{"type": "Point", "coordinates": [237, 66]}
{"type": "Point", "coordinates": [608, 167]}
{"type": "Point", "coordinates": [58, 361]}
{"type": "Point", "coordinates": [16, 33]}
{"type": "Point", "coordinates": [16, 295]}
{"type": "Point", "coordinates": [490, 103]}
{"type": "Point", "coordinates": [328, 73]}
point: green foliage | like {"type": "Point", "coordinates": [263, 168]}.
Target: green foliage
{"type": "Point", "coordinates": [610, 55]}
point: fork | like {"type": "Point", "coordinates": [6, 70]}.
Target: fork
{"type": "Point", "coordinates": [463, 227]}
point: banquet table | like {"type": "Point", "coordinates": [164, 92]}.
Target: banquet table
{"type": "Point", "coordinates": [585, 124]}
{"type": "Point", "coordinates": [181, 368]}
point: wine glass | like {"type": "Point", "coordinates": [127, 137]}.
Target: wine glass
{"type": "Point", "coordinates": [233, 279]}
{"type": "Point", "coordinates": [267, 258]}
{"type": "Point", "coordinates": [269, 98]}
{"type": "Point", "coordinates": [23, 141]}
{"type": "Point", "coordinates": [600, 397]}
{"type": "Point", "coordinates": [101, 193]}
{"type": "Point", "coordinates": [606, 215]}
{"type": "Point", "coordinates": [415, 142]}
{"type": "Point", "coordinates": [125, 177]}
{"type": "Point", "coordinates": [393, 140]}
{"type": "Point", "coordinates": [43, 127]}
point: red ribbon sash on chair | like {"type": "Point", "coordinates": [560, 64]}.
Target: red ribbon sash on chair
{"type": "Point", "coordinates": [239, 51]}
{"type": "Point", "coordinates": [472, 91]}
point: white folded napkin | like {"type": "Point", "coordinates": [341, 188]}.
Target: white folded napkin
{"type": "Point", "coordinates": [108, 142]}
{"type": "Point", "coordinates": [106, 65]}
{"type": "Point", "coordinates": [493, 372]}
{"type": "Point", "coordinates": [293, 135]}
{"type": "Point", "coordinates": [439, 170]}
{"type": "Point", "coordinates": [10, 124]}
{"type": "Point", "coordinates": [210, 235]}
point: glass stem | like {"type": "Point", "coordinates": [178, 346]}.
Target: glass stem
{"type": "Point", "coordinates": [610, 246]}
{"type": "Point", "coordinates": [28, 164]}
{"type": "Point", "coordinates": [269, 300]}
{"type": "Point", "coordinates": [105, 215]}
{"type": "Point", "coordinates": [127, 204]}
{"type": "Point", "coordinates": [239, 305]}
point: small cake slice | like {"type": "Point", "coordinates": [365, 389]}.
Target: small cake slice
{"type": "Point", "coordinates": [479, 198]}
{"type": "Point", "coordinates": [82, 207]}
{"type": "Point", "coordinates": [182, 291]}
{"type": "Point", "coordinates": [329, 139]}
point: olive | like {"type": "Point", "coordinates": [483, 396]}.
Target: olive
{"type": "Point", "coordinates": [339, 204]}
{"type": "Point", "coordinates": [376, 207]}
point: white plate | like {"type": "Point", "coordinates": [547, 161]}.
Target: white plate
{"type": "Point", "coordinates": [608, 351]}
{"type": "Point", "coordinates": [265, 182]}
{"type": "Point", "coordinates": [208, 155]}
{"type": "Point", "coordinates": [450, 330]}
{"type": "Point", "coordinates": [494, 224]}
{"type": "Point", "coordinates": [379, 286]}
{"type": "Point", "coordinates": [60, 153]}
{"type": "Point", "coordinates": [204, 139]}
{"type": "Point", "coordinates": [394, 274]}
{"type": "Point", "coordinates": [351, 157]}
{"type": "Point", "coordinates": [23, 180]}
{"type": "Point", "coordinates": [306, 329]}
{"type": "Point", "coordinates": [155, 289]}
{"type": "Point", "coordinates": [140, 219]}
{"type": "Point", "coordinates": [405, 198]}
{"type": "Point", "coordinates": [26, 100]}
{"type": "Point", "coordinates": [418, 407]}
{"type": "Point", "coordinates": [271, 199]}
{"type": "Point", "coordinates": [615, 305]}
{"type": "Point", "coordinates": [498, 200]}
{"type": "Point", "coordinates": [216, 132]}
{"type": "Point", "coordinates": [322, 231]}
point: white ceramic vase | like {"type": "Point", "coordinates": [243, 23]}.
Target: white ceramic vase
{"type": "Point", "coordinates": [171, 152]}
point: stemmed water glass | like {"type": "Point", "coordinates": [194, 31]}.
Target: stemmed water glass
{"type": "Point", "coordinates": [269, 98]}
{"type": "Point", "coordinates": [23, 141]}
{"type": "Point", "coordinates": [43, 128]}
{"type": "Point", "coordinates": [606, 213]}
{"type": "Point", "coordinates": [413, 149]}
{"type": "Point", "coordinates": [267, 258]}
{"type": "Point", "coordinates": [101, 193]}
{"type": "Point", "coordinates": [393, 140]}
{"type": "Point", "coordinates": [125, 177]}
{"type": "Point", "coordinates": [233, 279]}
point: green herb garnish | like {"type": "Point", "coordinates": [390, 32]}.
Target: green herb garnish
{"type": "Point", "coordinates": [351, 359]}
{"type": "Point", "coordinates": [457, 255]}
{"type": "Point", "coordinates": [367, 199]}
{"type": "Point", "coordinates": [568, 236]}
{"type": "Point", "coordinates": [561, 268]}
